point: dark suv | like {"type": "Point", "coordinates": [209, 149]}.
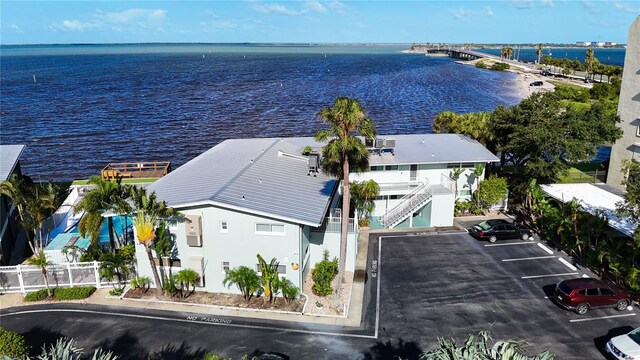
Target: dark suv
{"type": "Point", "coordinates": [582, 294]}
{"type": "Point", "coordinates": [493, 230]}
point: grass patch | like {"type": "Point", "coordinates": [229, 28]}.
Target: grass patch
{"type": "Point", "coordinates": [124, 181]}
{"type": "Point", "coordinates": [575, 176]}
{"type": "Point", "coordinates": [575, 104]}
{"type": "Point", "coordinates": [59, 294]}
{"type": "Point", "coordinates": [589, 166]}
{"type": "Point", "coordinates": [563, 84]}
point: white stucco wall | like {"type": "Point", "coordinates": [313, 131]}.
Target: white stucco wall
{"type": "Point", "coordinates": [331, 241]}
{"type": "Point", "coordinates": [238, 246]}
{"type": "Point", "coordinates": [442, 207]}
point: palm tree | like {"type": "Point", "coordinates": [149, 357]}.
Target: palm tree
{"type": "Point", "coordinates": [589, 62]}
{"type": "Point", "coordinates": [344, 152]}
{"type": "Point", "coordinates": [107, 195]}
{"type": "Point", "coordinates": [455, 175]}
{"type": "Point", "coordinates": [477, 173]}
{"type": "Point", "coordinates": [40, 259]}
{"type": "Point", "coordinates": [364, 194]}
{"type": "Point", "coordinates": [187, 278]}
{"type": "Point", "coordinates": [539, 52]}
{"type": "Point", "coordinates": [268, 277]}
{"type": "Point", "coordinates": [39, 206]}
{"type": "Point", "coordinates": [245, 278]}
{"type": "Point", "coordinates": [18, 188]}
{"type": "Point", "coordinates": [145, 232]}
{"type": "Point", "coordinates": [163, 246]}
{"type": "Point", "coordinates": [508, 52]}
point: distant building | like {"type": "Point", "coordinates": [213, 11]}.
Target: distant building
{"type": "Point", "coordinates": [12, 240]}
{"type": "Point", "coordinates": [628, 147]}
{"type": "Point", "coordinates": [583, 43]}
{"type": "Point", "coordinates": [610, 43]}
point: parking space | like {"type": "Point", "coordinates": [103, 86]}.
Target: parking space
{"type": "Point", "coordinates": [452, 285]}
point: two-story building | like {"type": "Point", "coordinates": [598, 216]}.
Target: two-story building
{"type": "Point", "coordinates": [245, 197]}
{"type": "Point", "coordinates": [13, 241]}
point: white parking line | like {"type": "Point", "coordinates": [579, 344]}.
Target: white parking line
{"type": "Point", "coordinates": [568, 264]}
{"type": "Point", "coordinates": [513, 243]}
{"type": "Point", "coordinates": [549, 251]}
{"type": "Point", "coordinates": [603, 317]}
{"type": "Point", "coordinates": [548, 275]}
{"type": "Point", "coordinates": [530, 258]}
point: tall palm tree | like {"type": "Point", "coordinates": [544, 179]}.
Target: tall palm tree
{"type": "Point", "coordinates": [145, 232]}
{"type": "Point", "coordinates": [477, 173]}
{"type": "Point", "coordinates": [589, 62]}
{"type": "Point", "coordinates": [40, 259]}
{"type": "Point", "coordinates": [344, 152]}
{"type": "Point", "coordinates": [455, 175]}
{"type": "Point", "coordinates": [106, 196]}
{"type": "Point", "coordinates": [39, 206]}
{"type": "Point", "coordinates": [18, 188]}
{"type": "Point", "coordinates": [509, 52]}
{"type": "Point", "coordinates": [539, 52]}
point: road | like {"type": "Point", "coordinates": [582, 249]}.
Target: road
{"type": "Point", "coordinates": [428, 286]}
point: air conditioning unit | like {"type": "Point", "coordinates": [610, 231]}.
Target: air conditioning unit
{"type": "Point", "coordinates": [379, 143]}
{"type": "Point", "coordinates": [390, 143]}
{"type": "Point", "coordinates": [314, 163]}
{"type": "Point", "coordinates": [368, 142]}
{"type": "Point", "coordinates": [193, 227]}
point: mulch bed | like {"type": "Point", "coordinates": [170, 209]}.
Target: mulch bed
{"type": "Point", "coordinates": [220, 299]}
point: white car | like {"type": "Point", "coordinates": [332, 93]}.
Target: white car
{"type": "Point", "coordinates": [625, 347]}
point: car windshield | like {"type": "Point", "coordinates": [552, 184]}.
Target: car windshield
{"type": "Point", "coordinates": [635, 335]}
{"type": "Point", "coordinates": [564, 288]}
{"type": "Point", "coordinates": [484, 225]}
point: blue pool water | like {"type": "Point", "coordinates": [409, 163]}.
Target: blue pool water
{"type": "Point", "coordinates": [61, 240]}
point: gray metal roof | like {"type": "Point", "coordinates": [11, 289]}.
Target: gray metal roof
{"type": "Point", "coordinates": [251, 175]}
{"type": "Point", "coordinates": [432, 149]}
{"type": "Point", "coordinates": [277, 185]}
{"type": "Point", "coordinates": [9, 156]}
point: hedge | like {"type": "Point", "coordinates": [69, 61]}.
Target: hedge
{"type": "Point", "coordinates": [74, 293]}
{"type": "Point", "coordinates": [12, 345]}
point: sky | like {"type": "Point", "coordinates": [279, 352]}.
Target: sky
{"type": "Point", "coordinates": [332, 21]}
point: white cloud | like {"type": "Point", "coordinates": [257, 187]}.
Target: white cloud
{"type": "Point", "coordinates": [527, 4]}
{"type": "Point", "coordinates": [591, 7]}
{"type": "Point", "coordinates": [626, 7]}
{"type": "Point", "coordinates": [218, 25]}
{"type": "Point", "coordinates": [119, 21]}
{"type": "Point", "coordinates": [76, 25]}
{"type": "Point", "coordinates": [305, 7]}
{"type": "Point", "coordinates": [15, 28]}
{"type": "Point", "coordinates": [463, 13]}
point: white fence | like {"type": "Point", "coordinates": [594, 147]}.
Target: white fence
{"type": "Point", "coordinates": [26, 278]}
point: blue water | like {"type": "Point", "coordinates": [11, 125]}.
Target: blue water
{"type": "Point", "coordinates": [609, 56]}
{"type": "Point", "coordinates": [91, 105]}
{"type": "Point", "coordinates": [61, 240]}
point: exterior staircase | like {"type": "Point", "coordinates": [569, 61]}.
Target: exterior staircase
{"type": "Point", "coordinates": [409, 203]}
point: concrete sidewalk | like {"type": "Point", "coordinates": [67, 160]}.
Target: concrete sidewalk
{"type": "Point", "coordinates": [101, 297]}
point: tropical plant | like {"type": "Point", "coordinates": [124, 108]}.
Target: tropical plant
{"type": "Point", "coordinates": [163, 246]}
{"type": "Point", "coordinates": [289, 291]}
{"type": "Point", "coordinates": [144, 226]}
{"type": "Point", "coordinates": [269, 279]}
{"type": "Point", "coordinates": [245, 278]}
{"type": "Point", "coordinates": [307, 150]}
{"type": "Point", "coordinates": [187, 278]}
{"type": "Point", "coordinates": [364, 193]}
{"type": "Point", "coordinates": [141, 282]}
{"type": "Point", "coordinates": [494, 189]}
{"type": "Point", "coordinates": [18, 189]}
{"type": "Point", "coordinates": [478, 347]}
{"type": "Point", "coordinates": [590, 62]}
{"type": "Point", "coordinates": [115, 266]}
{"type": "Point", "coordinates": [65, 349]}
{"type": "Point", "coordinates": [478, 171]}
{"type": "Point", "coordinates": [500, 66]}
{"type": "Point", "coordinates": [72, 253]}
{"type": "Point", "coordinates": [345, 152]}
{"type": "Point", "coordinates": [455, 175]}
{"type": "Point", "coordinates": [323, 274]}
{"type": "Point", "coordinates": [39, 206]}
{"type": "Point", "coordinates": [106, 196]}
{"type": "Point", "coordinates": [40, 259]}
{"type": "Point", "coordinates": [12, 345]}
{"type": "Point", "coordinates": [539, 52]}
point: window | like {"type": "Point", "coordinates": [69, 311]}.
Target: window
{"type": "Point", "coordinates": [377, 168]}
{"type": "Point", "coordinates": [395, 197]}
{"type": "Point", "coordinates": [592, 291]}
{"type": "Point", "coordinates": [606, 292]}
{"type": "Point", "coordinates": [225, 266]}
{"type": "Point", "coordinates": [270, 229]}
{"type": "Point", "coordinates": [405, 167]}
{"type": "Point", "coordinates": [464, 192]}
{"type": "Point", "coordinates": [582, 292]}
{"type": "Point", "coordinates": [224, 227]}
{"type": "Point", "coordinates": [391, 167]}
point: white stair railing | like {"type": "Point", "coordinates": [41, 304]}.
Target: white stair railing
{"type": "Point", "coordinates": [408, 203]}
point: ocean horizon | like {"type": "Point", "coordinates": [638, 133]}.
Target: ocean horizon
{"type": "Point", "coordinates": [78, 108]}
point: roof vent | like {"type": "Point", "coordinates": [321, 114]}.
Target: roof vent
{"type": "Point", "coordinates": [314, 164]}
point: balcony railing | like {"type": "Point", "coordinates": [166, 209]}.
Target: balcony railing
{"type": "Point", "coordinates": [334, 225]}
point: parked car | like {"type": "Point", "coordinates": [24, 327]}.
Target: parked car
{"type": "Point", "coordinates": [625, 347]}
{"type": "Point", "coordinates": [582, 294]}
{"type": "Point", "coordinates": [536, 83]}
{"type": "Point", "coordinates": [499, 229]}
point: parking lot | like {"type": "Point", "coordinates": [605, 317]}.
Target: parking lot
{"type": "Point", "coordinates": [453, 285]}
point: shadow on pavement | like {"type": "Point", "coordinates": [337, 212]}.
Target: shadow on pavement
{"type": "Point", "coordinates": [261, 355]}
{"type": "Point", "coordinates": [601, 341]}
{"type": "Point", "coordinates": [550, 292]}
{"type": "Point", "coordinates": [38, 337]}
{"type": "Point", "coordinates": [127, 346]}
{"type": "Point", "coordinates": [403, 350]}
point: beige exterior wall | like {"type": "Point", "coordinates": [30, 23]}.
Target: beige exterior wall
{"type": "Point", "coordinates": [628, 147]}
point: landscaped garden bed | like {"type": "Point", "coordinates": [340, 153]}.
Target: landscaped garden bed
{"type": "Point", "coordinates": [220, 299]}
{"type": "Point", "coordinates": [60, 294]}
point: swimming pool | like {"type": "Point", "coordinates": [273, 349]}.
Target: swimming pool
{"type": "Point", "coordinates": [62, 240]}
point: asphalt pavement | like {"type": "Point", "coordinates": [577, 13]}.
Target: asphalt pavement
{"type": "Point", "coordinates": [428, 286]}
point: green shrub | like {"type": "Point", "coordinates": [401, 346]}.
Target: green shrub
{"type": "Point", "coordinates": [289, 291]}
{"type": "Point", "coordinates": [364, 222]}
{"type": "Point", "coordinates": [12, 345]}
{"type": "Point", "coordinates": [481, 65]}
{"type": "Point", "coordinates": [573, 93]}
{"type": "Point", "coordinates": [245, 278]}
{"type": "Point", "coordinates": [36, 295]}
{"type": "Point", "coordinates": [307, 150]}
{"type": "Point", "coordinates": [492, 190]}
{"type": "Point", "coordinates": [116, 292]}
{"type": "Point", "coordinates": [323, 273]}
{"type": "Point", "coordinates": [212, 356]}
{"type": "Point", "coordinates": [500, 66]}
{"type": "Point", "coordinates": [73, 293]}
{"type": "Point", "coordinates": [141, 282]}
{"type": "Point", "coordinates": [186, 279]}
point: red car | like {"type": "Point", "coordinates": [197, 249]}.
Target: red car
{"type": "Point", "coordinates": [582, 294]}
